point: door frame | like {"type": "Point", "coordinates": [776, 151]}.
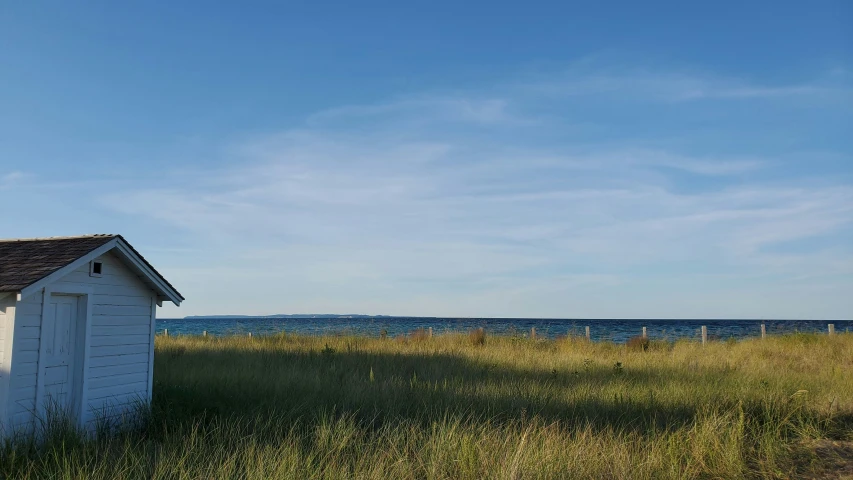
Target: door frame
{"type": "Point", "coordinates": [84, 313]}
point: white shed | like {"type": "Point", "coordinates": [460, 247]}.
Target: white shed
{"type": "Point", "coordinates": [76, 328]}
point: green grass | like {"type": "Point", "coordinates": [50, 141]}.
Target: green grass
{"type": "Point", "coordinates": [353, 407]}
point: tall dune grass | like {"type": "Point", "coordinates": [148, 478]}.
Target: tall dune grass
{"type": "Point", "coordinates": [447, 407]}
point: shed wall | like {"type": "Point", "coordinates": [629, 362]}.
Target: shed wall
{"type": "Point", "coordinates": [24, 361]}
{"type": "Point", "coordinates": [120, 343]}
{"type": "Point", "coordinates": [2, 336]}
{"type": "Point", "coordinates": [3, 367]}
{"type": "Point", "coordinates": [7, 313]}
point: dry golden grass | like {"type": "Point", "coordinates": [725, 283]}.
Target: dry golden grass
{"type": "Point", "coordinates": [477, 337]}
{"type": "Point", "coordinates": [449, 407]}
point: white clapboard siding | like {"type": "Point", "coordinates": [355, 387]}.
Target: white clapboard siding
{"type": "Point", "coordinates": [27, 369]}
{"type": "Point", "coordinates": [121, 300]}
{"type": "Point", "coordinates": [123, 399]}
{"type": "Point", "coordinates": [3, 367]}
{"type": "Point", "coordinates": [27, 333]}
{"type": "Point", "coordinates": [28, 320]}
{"type": "Point", "coordinates": [98, 362]}
{"type": "Point", "coordinates": [109, 350]}
{"type": "Point", "coordinates": [111, 330]}
{"type": "Point", "coordinates": [26, 357]}
{"type": "Point", "coordinates": [81, 276]}
{"type": "Point", "coordinates": [116, 406]}
{"type": "Point", "coordinates": [23, 393]}
{"type": "Point", "coordinates": [29, 307]}
{"type": "Point", "coordinates": [106, 289]}
{"type": "Point", "coordinates": [105, 393]}
{"type": "Point", "coordinates": [122, 310]}
{"type": "Point", "coordinates": [109, 320]}
{"type": "Point", "coordinates": [2, 339]}
{"type": "Point", "coordinates": [118, 380]}
{"type": "Point", "coordinates": [108, 340]}
{"type": "Point", "coordinates": [21, 403]}
{"type": "Point", "coordinates": [22, 345]}
{"type": "Point", "coordinates": [32, 299]}
{"type": "Point", "coordinates": [112, 370]}
{"type": "Point", "coordinates": [22, 381]}
{"type": "Point", "coordinates": [119, 340]}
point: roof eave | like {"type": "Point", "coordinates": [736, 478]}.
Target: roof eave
{"type": "Point", "coordinates": [153, 278]}
{"type": "Point", "coordinates": [47, 280]}
{"type": "Point", "coordinates": [163, 289]}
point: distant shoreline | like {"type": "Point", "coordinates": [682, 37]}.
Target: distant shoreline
{"type": "Point", "coordinates": [618, 330]}
{"type": "Point", "coordinates": [321, 316]}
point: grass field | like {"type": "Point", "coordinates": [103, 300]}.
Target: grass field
{"type": "Point", "coordinates": [450, 407]}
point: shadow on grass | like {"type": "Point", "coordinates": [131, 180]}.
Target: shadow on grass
{"type": "Point", "coordinates": [424, 388]}
{"type": "Point", "coordinates": [219, 405]}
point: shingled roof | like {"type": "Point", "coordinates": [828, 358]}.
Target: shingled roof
{"type": "Point", "coordinates": [25, 261]}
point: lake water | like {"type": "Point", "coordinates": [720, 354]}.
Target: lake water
{"type": "Point", "coordinates": [614, 330]}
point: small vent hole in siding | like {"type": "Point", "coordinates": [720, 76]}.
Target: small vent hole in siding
{"type": "Point", "coordinates": [95, 269]}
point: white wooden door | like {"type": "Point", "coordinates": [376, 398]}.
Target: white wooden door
{"type": "Point", "coordinates": [61, 377]}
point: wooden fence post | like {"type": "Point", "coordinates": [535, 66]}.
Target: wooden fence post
{"type": "Point", "coordinates": [704, 334]}
{"type": "Point", "coordinates": [204, 333]}
{"type": "Point", "coordinates": [763, 331]}
{"type": "Point", "coordinates": [831, 328]}
{"type": "Point", "coordinates": [532, 332]}
{"type": "Point", "coordinates": [645, 334]}
{"type": "Point", "coordinates": [165, 332]}
{"type": "Point", "coordinates": [430, 332]}
{"type": "Point", "coordinates": [250, 334]}
{"type": "Point", "coordinates": [587, 334]}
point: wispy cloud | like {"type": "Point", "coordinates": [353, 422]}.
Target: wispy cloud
{"type": "Point", "coordinates": [433, 108]}
{"type": "Point", "coordinates": [441, 213]}
{"type": "Point", "coordinates": [594, 77]}
{"type": "Point", "coordinates": [467, 201]}
{"type": "Point", "coordinates": [11, 178]}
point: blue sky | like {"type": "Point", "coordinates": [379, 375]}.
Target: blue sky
{"type": "Point", "coordinates": [599, 159]}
